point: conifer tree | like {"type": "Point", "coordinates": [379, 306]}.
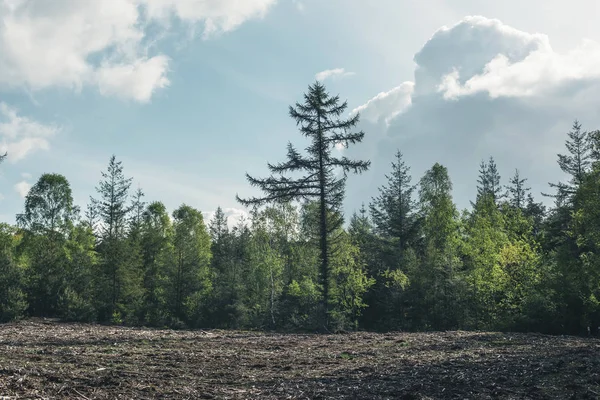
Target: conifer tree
{"type": "Point", "coordinates": [112, 211]}
{"type": "Point", "coordinates": [392, 211]}
{"type": "Point", "coordinates": [137, 213]}
{"type": "Point", "coordinates": [594, 141]}
{"type": "Point", "coordinates": [157, 254]}
{"type": "Point", "coordinates": [435, 280]}
{"type": "Point", "coordinates": [218, 226]}
{"type": "Point", "coordinates": [517, 191]}
{"type": "Point", "coordinates": [489, 181]}
{"type": "Point", "coordinates": [190, 276]}
{"type": "Point", "coordinates": [575, 163]}
{"type": "Point", "coordinates": [319, 120]}
{"type": "Point", "coordinates": [112, 205]}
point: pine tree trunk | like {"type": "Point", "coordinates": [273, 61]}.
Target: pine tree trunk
{"type": "Point", "coordinates": [323, 231]}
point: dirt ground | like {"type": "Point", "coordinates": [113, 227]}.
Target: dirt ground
{"type": "Point", "coordinates": [77, 361]}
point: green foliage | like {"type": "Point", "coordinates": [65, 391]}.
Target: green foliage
{"type": "Point", "coordinates": [319, 121]}
{"type": "Point", "coordinates": [349, 284]}
{"type": "Point", "coordinates": [157, 255]}
{"type": "Point", "coordinates": [300, 305]}
{"type": "Point", "coordinates": [505, 264]}
{"type": "Point", "coordinates": [49, 206]}
{"type": "Point", "coordinates": [189, 274]}
{"type": "Point", "coordinates": [117, 275]}
{"type": "Point", "coordinates": [13, 302]}
{"type": "Point", "coordinates": [76, 299]}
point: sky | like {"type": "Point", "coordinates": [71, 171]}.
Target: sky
{"type": "Point", "coordinates": [192, 94]}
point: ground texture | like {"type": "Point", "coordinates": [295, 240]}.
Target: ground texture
{"type": "Point", "coordinates": [53, 360]}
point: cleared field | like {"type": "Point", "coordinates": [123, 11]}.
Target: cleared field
{"type": "Point", "coordinates": [54, 360]}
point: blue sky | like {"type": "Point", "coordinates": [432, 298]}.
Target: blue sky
{"type": "Point", "coordinates": [191, 94]}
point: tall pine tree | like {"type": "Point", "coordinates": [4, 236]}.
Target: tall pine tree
{"type": "Point", "coordinates": [318, 118]}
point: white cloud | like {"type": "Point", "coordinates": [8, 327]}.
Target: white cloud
{"type": "Point", "coordinates": [481, 55]}
{"type": "Point", "coordinates": [21, 136]}
{"type": "Point", "coordinates": [73, 44]}
{"type": "Point", "coordinates": [540, 72]}
{"type": "Point", "coordinates": [1, 197]}
{"type": "Point", "coordinates": [218, 16]}
{"type": "Point", "coordinates": [22, 188]}
{"type": "Point", "coordinates": [481, 88]}
{"type": "Point", "coordinates": [332, 74]}
{"type": "Point", "coordinates": [138, 80]}
{"type": "Point", "coordinates": [233, 215]}
{"type": "Point", "coordinates": [387, 105]}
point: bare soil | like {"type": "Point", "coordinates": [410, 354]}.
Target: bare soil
{"type": "Point", "coordinates": [78, 361]}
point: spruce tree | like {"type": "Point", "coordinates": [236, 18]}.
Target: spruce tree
{"type": "Point", "coordinates": [190, 274]}
{"type": "Point", "coordinates": [435, 279]}
{"type": "Point", "coordinates": [392, 211]}
{"type": "Point", "coordinates": [137, 213]}
{"type": "Point", "coordinates": [218, 226]}
{"type": "Point", "coordinates": [517, 191]}
{"type": "Point", "coordinates": [319, 121]}
{"type": "Point", "coordinates": [112, 205]}
{"type": "Point", "coordinates": [489, 181]}
{"type": "Point", "coordinates": [594, 145]}
{"type": "Point", "coordinates": [112, 211]}
{"type": "Point", "coordinates": [576, 163]}
{"type": "Point", "coordinates": [360, 228]}
{"type": "Point", "coordinates": [157, 254]}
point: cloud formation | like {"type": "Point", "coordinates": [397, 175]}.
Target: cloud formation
{"type": "Point", "coordinates": [387, 105]}
{"type": "Point", "coordinates": [22, 188]}
{"type": "Point", "coordinates": [482, 88]}
{"type": "Point", "coordinates": [21, 136]}
{"type": "Point", "coordinates": [332, 74]}
{"type": "Point", "coordinates": [73, 44]}
{"type": "Point", "coordinates": [233, 215]}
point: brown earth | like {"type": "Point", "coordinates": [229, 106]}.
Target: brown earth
{"type": "Point", "coordinates": [53, 360]}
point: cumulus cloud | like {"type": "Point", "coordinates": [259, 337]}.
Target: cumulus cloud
{"type": "Point", "coordinates": [21, 136]}
{"type": "Point", "coordinates": [332, 74]}
{"type": "Point", "coordinates": [542, 71]}
{"type": "Point", "coordinates": [22, 188]}
{"type": "Point", "coordinates": [74, 44]}
{"type": "Point", "coordinates": [481, 88]}
{"type": "Point", "coordinates": [233, 215]}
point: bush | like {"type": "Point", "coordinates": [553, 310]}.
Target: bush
{"type": "Point", "coordinates": [13, 305]}
{"type": "Point", "coordinates": [74, 307]}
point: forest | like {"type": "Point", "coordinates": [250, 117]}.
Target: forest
{"type": "Point", "coordinates": [408, 260]}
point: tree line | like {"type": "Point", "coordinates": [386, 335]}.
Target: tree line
{"type": "Point", "coordinates": [407, 260]}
